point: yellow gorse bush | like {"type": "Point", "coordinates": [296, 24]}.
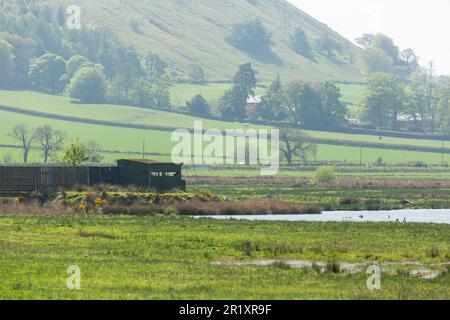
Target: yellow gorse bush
{"type": "Point", "coordinates": [99, 202]}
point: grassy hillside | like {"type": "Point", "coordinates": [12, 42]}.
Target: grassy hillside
{"type": "Point", "coordinates": [129, 140]}
{"type": "Point", "coordinates": [185, 32]}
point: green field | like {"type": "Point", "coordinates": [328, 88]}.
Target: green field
{"type": "Point", "coordinates": [182, 258]}
{"type": "Point", "coordinates": [34, 101]}
{"type": "Point", "coordinates": [128, 140]}
{"type": "Point", "coordinates": [180, 93]}
{"type": "Point", "coordinates": [28, 100]}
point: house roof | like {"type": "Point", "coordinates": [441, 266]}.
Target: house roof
{"type": "Point", "coordinates": [255, 99]}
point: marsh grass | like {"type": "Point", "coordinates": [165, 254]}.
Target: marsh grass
{"type": "Point", "coordinates": [35, 209]}
{"type": "Point", "coordinates": [161, 257]}
{"type": "Point", "coordinates": [333, 267]}
{"type": "Point", "coordinates": [283, 265]}
{"type": "Point", "coordinates": [433, 252]}
{"type": "Point", "coordinates": [244, 207]}
{"type": "Point", "coordinates": [86, 234]}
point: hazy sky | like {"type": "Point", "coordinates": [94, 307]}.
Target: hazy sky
{"type": "Point", "coordinates": [423, 25]}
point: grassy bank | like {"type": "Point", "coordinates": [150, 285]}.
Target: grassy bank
{"type": "Point", "coordinates": [182, 258]}
{"type": "Point", "coordinates": [338, 198]}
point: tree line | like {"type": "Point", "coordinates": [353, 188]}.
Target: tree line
{"type": "Point", "coordinates": [400, 91]}
{"type": "Point", "coordinates": [50, 141]}
{"type": "Point", "coordinates": [299, 103]}
{"type": "Point", "coordinates": [92, 65]}
{"type": "Point", "coordinates": [253, 38]}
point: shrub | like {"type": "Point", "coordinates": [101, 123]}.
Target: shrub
{"type": "Point", "coordinates": [283, 265]}
{"type": "Point", "coordinates": [299, 43]}
{"type": "Point", "coordinates": [196, 73]}
{"type": "Point", "coordinates": [170, 211]}
{"type": "Point", "coordinates": [251, 37]}
{"type": "Point", "coordinates": [325, 176]}
{"type": "Point", "coordinates": [433, 252]}
{"type": "Point", "coordinates": [333, 267]}
{"type": "Point", "coordinates": [247, 248]}
{"type": "Point", "coordinates": [88, 85]}
{"type": "Point", "coordinates": [198, 106]}
{"type": "Point", "coordinates": [133, 210]}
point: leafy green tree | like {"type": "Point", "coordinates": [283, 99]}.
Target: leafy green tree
{"type": "Point", "coordinates": [272, 105]}
{"type": "Point", "coordinates": [304, 104]}
{"type": "Point", "coordinates": [328, 45]}
{"type": "Point", "coordinates": [443, 114]}
{"type": "Point", "coordinates": [24, 50]}
{"type": "Point", "coordinates": [75, 63]}
{"type": "Point", "coordinates": [382, 55]}
{"type": "Point", "coordinates": [365, 40]}
{"type": "Point", "coordinates": [409, 60]}
{"type": "Point", "coordinates": [383, 101]}
{"type": "Point", "coordinates": [245, 78]}
{"type": "Point", "coordinates": [300, 44]}
{"type": "Point", "coordinates": [376, 60]}
{"type": "Point", "coordinates": [196, 73]}
{"type": "Point", "coordinates": [334, 110]}
{"type": "Point", "coordinates": [383, 42]}
{"type": "Point", "coordinates": [415, 105]}
{"type": "Point", "coordinates": [251, 37]}
{"type": "Point", "coordinates": [88, 85]}
{"type": "Point", "coordinates": [74, 154]}
{"type": "Point", "coordinates": [45, 73]}
{"type": "Point", "coordinates": [61, 16]}
{"type": "Point", "coordinates": [198, 106]}
{"type": "Point", "coordinates": [155, 66]}
{"type": "Point", "coordinates": [141, 94]}
{"type": "Point", "coordinates": [432, 98]}
{"type": "Point", "coordinates": [7, 64]}
{"type": "Point", "coordinates": [233, 103]}
{"type": "Point", "coordinates": [226, 105]}
{"type": "Point", "coordinates": [128, 71]}
{"type": "Point", "coordinates": [161, 95]}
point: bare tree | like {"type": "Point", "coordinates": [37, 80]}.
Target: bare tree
{"type": "Point", "coordinates": [295, 144]}
{"type": "Point", "coordinates": [26, 137]}
{"type": "Point", "coordinates": [94, 150]}
{"type": "Point", "coordinates": [50, 140]}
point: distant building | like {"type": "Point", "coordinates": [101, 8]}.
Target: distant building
{"type": "Point", "coordinates": [150, 175]}
{"type": "Point", "coordinates": [253, 103]}
{"type": "Point", "coordinates": [353, 122]}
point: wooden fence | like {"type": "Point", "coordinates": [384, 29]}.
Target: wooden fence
{"type": "Point", "coordinates": [23, 179]}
